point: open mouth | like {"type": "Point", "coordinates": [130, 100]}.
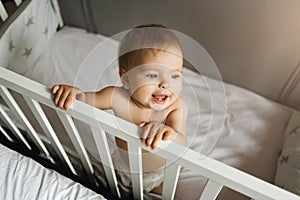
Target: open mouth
{"type": "Point", "coordinates": [160, 99]}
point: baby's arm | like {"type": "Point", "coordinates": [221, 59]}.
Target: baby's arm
{"type": "Point", "coordinates": [177, 120]}
{"type": "Point", "coordinates": [64, 95]}
{"type": "Point", "coordinates": [173, 129]}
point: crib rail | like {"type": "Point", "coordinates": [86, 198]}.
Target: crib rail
{"type": "Point", "coordinates": [218, 174]}
{"type": "Point", "coordinates": [5, 13]}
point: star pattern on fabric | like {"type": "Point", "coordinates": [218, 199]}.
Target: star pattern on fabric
{"type": "Point", "coordinates": [30, 22]}
{"type": "Point", "coordinates": [27, 52]}
{"type": "Point", "coordinates": [11, 46]}
{"type": "Point", "coordinates": [284, 159]}
{"type": "Point", "coordinates": [46, 30]}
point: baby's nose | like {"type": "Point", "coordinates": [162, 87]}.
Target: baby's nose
{"type": "Point", "coordinates": [163, 84]}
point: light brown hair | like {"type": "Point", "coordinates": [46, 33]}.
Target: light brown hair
{"type": "Point", "coordinates": [148, 38]}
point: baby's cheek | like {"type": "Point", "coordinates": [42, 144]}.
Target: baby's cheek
{"type": "Point", "coordinates": [176, 88]}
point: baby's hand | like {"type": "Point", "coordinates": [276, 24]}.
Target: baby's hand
{"type": "Point", "coordinates": [64, 95]}
{"type": "Point", "coordinates": [154, 132]}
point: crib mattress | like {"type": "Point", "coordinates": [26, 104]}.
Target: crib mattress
{"type": "Point", "coordinates": [24, 178]}
{"type": "Point", "coordinates": [253, 128]}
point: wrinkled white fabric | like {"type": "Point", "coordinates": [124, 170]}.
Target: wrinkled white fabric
{"type": "Point", "coordinates": [24, 178]}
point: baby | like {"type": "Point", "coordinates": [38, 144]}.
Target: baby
{"type": "Point", "coordinates": [150, 68]}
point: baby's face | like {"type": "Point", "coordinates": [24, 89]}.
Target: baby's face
{"type": "Point", "coordinates": [156, 80]}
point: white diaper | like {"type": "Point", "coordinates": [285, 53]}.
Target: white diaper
{"type": "Point", "coordinates": [151, 179]}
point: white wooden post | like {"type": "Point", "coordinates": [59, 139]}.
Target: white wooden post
{"type": "Point", "coordinates": [77, 142]}
{"type": "Point", "coordinates": [170, 180]}
{"type": "Point", "coordinates": [211, 190]}
{"type": "Point", "coordinates": [3, 13]}
{"type": "Point", "coordinates": [48, 130]}
{"type": "Point", "coordinates": [14, 129]}
{"type": "Point", "coordinates": [6, 134]}
{"type": "Point", "coordinates": [12, 104]}
{"type": "Point", "coordinates": [136, 171]}
{"type": "Point", "coordinates": [18, 2]}
{"type": "Point", "coordinates": [103, 150]}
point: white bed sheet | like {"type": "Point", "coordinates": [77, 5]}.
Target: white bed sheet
{"type": "Point", "coordinates": [24, 178]}
{"type": "Point", "coordinates": [253, 128]}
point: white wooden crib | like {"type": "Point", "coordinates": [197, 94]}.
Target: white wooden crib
{"type": "Point", "coordinates": [219, 175]}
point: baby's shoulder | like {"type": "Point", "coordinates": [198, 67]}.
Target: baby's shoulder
{"type": "Point", "coordinates": [119, 91]}
{"type": "Point", "coordinates": [178, 110]}
{"type": "Point", "coordinates": [114, 90]}
{"type": "Point", "coordinates": [119, 95]}
{"type": "Point", "coordinates": [178, 107]}
{"type": "Point", "coordinates": [112, 93]}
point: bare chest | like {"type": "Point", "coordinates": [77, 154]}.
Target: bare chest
{"type": "Point", "coordinates": [136, 115]}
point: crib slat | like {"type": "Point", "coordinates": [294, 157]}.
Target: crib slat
{"type": "Point", "coordinates": [3, 12]}
{"type": "Point", "coordinates": [6, 134]}
{"type": "Point", "coordinates": [18, 2]}
{"type": "Point", "coordinates": [47, 128]}
{"type": "Point", "coordinates": [103, 150]}
{"type": "Point", "coordinates": [12, 104]}
{"type": "Point", "coordinates": [170, 180]}
{"type": "Point", "coordinates": [135, 163]}
{"type": "Point", "coordinates": [77, 142]}
{"type": "Point", "coordinates": [211, 190]}
{"type": "Point", "coordinates": [11, 125]}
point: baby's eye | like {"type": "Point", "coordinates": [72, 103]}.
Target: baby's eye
{"type": "Point", "coordinates": [152, 75]}
{"type": "Point", "coordinates": [175, 76]}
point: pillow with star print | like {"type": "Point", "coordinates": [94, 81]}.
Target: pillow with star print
{"type": "Point", "coordinates": [23, 41]}
{"type": "Point", "coordinates": [288, 167]}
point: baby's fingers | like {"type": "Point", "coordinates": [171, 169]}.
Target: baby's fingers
{"type": "Point", "coordinates": [68, 101]}
{"type": "Point", "coordinates": [63, 98]}
{"type": "Point", "coordinates": [54, 89]}
{"type": "Point", "coordinates": [58, 93]}
{"type": "Point", "coordinates": [142, 124]}
{"type": "Point", "coordinates": [146, 132]}
{"type": "Point", "coordinates": [156, 139]}
{"type": "Point", "coordinates": [169, 135]}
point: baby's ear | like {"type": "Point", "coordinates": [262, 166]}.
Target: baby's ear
{"type": "Point", "coordinates": [125, 81]}
{"type": "Point", "coordinates": [124, 77]}
{"type": "Point", "coordinates": [122, 71]}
